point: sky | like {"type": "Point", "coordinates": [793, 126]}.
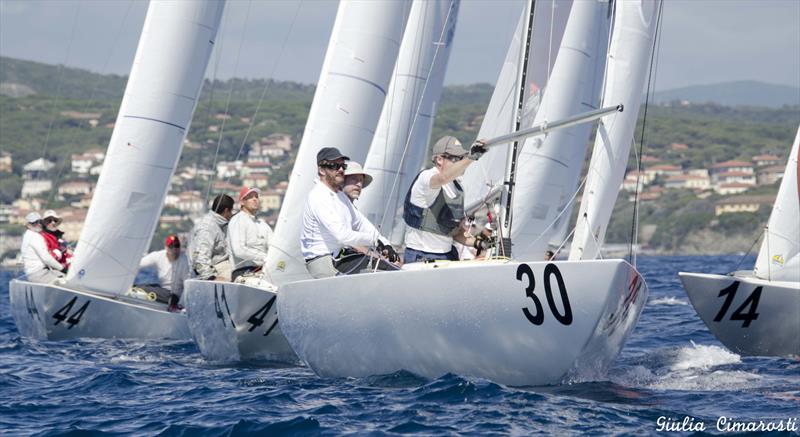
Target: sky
{"type": "Point", "coordinates": [702, 41]}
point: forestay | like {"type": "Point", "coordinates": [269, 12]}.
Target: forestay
{"type": "Point", "coordinates": [549, 168]}
{"type": "Point", "coordinates": [778, 259]}
{"type": "Point", "coordinates": [401, 139]}
{"type": "Point", "coordinates": [350, 94]}
{"type": "Point", "coordinates": [631, 48]}
{"type": "Point", "coordinates": [161, 95]}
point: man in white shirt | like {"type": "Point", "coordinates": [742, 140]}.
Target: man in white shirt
{"type": "Point", "coordinates": [434, 205]}
{"type": "Point", "coordinates": [331, 222]}
{"type": "Point", "coordinates": [39, 264]}
{"type": "Point", "coordinates": [172, 267]}
{"type": "Point", "coordinates": [248, 235]}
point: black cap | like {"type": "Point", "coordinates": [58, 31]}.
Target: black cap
{"type": "Point", "coordinates": [329, 154]}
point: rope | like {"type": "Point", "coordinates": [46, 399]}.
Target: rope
{"type": "Point", "coordinates": [72, 139]}
{"type": "Point", "coordinates": [557, 217]}
{"type": "Point", "coordinates": [230, 95]}
{"type": "Point", "coordinates": [650, 89]}
{"type": "Point", "coordinates": [763, 232]}
{"type": "Point", "coordinates": [267, 85]}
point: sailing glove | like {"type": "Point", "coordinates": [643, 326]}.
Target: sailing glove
{"type": "Point", "coordinates": [388, 251]}
{"type": "Point", "coordinates": [483, 242]}
{"type": "Point", "coordinates": [477, 150]}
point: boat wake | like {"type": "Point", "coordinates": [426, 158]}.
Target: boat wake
{"type": "Point", "coordinates": [668, 300]}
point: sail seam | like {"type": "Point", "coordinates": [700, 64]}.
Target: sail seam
{"type": "Point", "coordinates": [156, 120]}
{"type": "Point", "coordinates": [380, 88]}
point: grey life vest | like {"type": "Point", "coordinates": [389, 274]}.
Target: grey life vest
{"type": "Point", "coordinates": [441, 218]}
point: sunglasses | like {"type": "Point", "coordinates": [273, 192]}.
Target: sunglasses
{"type": "Point", "coordinates": [49, 220]}
{"type": "Point", "coordinates": [333, 166]}
{"type": "Point", "coordinates": [452, 158]}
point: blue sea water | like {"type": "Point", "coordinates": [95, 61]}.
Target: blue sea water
{"type": "Point", "coordinates": [671, 367]}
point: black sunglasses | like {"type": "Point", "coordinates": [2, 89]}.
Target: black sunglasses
{"type": "Point", "coordinates": [453, 158]}
{"type": "Point", "coordinates": [333, 166]}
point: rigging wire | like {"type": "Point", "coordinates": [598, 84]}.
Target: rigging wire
{"type": "Point", "coordinates": [86, 106]}
{"type": "Point", "coordinates": [654, 55]}
{"type": "Point", "coordinates": [230, 96]}
{"type": "Point", "coordinates": [558, 216]}
{"type": "Point", "coordinates": [765, 230]}
{"type": "Point", "coordinates": [268, 83]}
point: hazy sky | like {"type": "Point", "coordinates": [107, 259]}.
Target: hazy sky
{"type": "Point", "coordinates": [702, 41]}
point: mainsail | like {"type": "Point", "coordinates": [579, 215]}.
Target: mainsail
{"type": "Point", "coordinates": [631, 48]}
{"type": "Point", "coordinates": [548, 169]}
{"type": "Point", "coordinates": [406, 121]}
{"type": "Point", "coordinates": [779, 257]}
{"type": "Point", "coordinates": [160, 97]}
{"type": "Point", "coordinates": [347, 104]}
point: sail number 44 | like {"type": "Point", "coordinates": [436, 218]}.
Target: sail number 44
{"type": "Point", "coordinates": [551, 272]}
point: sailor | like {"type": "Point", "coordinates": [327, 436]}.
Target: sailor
{"type": "Point", "coordinates": [548, 255]}
{"type": "Point", "coordinates": [248, 235]}
{"type": "Point", "coordinates": [434, 205]}
{"type": "Point", "coordinates": [331, 221]}
{"type": "Point", "coordinates": [208, 247]}
{"type": "Point", "coordinates": [172, 268]}
{"type": "Point", "coordinates": [54, 238]}
{"type": "Point", "coordinates": [39, 264]}
{"type": "Point", "coordinates": [355, 180]}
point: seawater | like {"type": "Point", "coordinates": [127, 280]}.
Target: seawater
{"type": "Point", "coordinates": [671, 368]}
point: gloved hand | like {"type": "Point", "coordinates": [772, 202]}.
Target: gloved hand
{"type": "Point", "coordinates": [482, 242]}
{"type": "Point", "coordinates": [388, 251]}
{"type": "Point", "coordinates": [477, 150]}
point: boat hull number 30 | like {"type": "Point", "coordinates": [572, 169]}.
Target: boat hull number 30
{"type": "Point", "coordinates": [536, 316]}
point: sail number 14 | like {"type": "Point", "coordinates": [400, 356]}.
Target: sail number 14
{"type": "Point", "coordinates": [550, 272]}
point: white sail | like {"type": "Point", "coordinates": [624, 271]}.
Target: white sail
{"type": "Point", "coordinates": [347, 104]}
{"type": "Point", "coordinates": [161, 95]}
{"type": "Point", "coordinates": [779, 257]}
{"type": "Point", "coordinates": [628, 62]}
{"type": "Point", "coordinates": [488, 172]}
{"type": "Point", "coordinates": [406, 121]}
{"type": "Point", "coordinates": [548, 169]}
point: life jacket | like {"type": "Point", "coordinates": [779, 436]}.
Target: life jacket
{"type": "Point", "coordinates": [441, 218]}
{"type": "Point", "coordinates": [55, 247]}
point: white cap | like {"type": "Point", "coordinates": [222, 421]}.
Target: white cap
{"type": "Point", "coordinates": [51, 213]}
{"type": "Point", "coordinates": [33, 217]}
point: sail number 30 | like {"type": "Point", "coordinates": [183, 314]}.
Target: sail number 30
{"type": "Point", "coordinates": [537, 317]}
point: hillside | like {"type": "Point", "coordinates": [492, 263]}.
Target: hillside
{"type": "Point", "coordinates": [41, 120]}
{"type": "Point", "coordinates": [740, 93]}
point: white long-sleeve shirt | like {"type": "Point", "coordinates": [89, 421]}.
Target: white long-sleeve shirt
{"type": "Point", "coordinates": [171, 274]}
{"type": "Point", "coordinates": [330, 222]}
{"type": "Point", "coordinates": [248, 240]}
{"type": "Point", "coordinates": [35, 256]}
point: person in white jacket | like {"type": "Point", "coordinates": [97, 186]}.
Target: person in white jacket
{"type": "Point", "coordinates": [248, 235]}
{"type": "Point", "coordinates": [39, 264]}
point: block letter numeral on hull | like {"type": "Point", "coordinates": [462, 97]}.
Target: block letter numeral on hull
{"type": "Point", "coordinates": [257, 319]}
{"type": "Point", "coordinates": [537, 318]}
{"type": "Point", "coordinates": [218, 307]}
{"type": "Point", "coordinates": [30, 303]}
{"type": "Point", "coordinates": [62, 315]}
{"type": "Point", "coordinates": [750, 304]}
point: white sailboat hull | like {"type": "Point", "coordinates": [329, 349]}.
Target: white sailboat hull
{"type": "Point", "coordinates": [471, 318]}
{"type": "Point", "coordinates": [236, 322]}
{"type": "Point", "coordinates": [52, 312]}
{"type": "Point", "coordinates": [745, 320]}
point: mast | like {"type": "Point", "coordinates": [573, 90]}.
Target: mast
{"type": "Point", "coordinates": [160, 97]}
{"type": "Point", "coordinates": [347, 105]}
{"type": "Point", "coordinates": [511, 163]}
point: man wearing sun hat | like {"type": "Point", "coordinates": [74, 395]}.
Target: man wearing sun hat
{"type": "Point", "coordinates": [434, 205]}
{"type": "Point", "coordinates": [38, 263]}
{"type": "Point", "coordinates": [331, 222]}
{"type": "Point", "coordinates": [248, 235]}
{"type": "Point", "coordinates": [355, 180]}
{"type": "Point", "coordinates": [54, 238]}
{"type": "Point", "coordinates": [171, 265]}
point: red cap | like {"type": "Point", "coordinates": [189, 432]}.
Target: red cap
{"type": "Point", "coordinates": [172, 241]}
{"type": "Point", "coordinates": [247, 190]}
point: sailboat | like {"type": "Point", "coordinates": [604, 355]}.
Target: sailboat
{"type": "Point", "coordinates": [516, 322]}
{"type": "Point", "coordinates": [238, 322]}
{"type": "Point", "coordinates": [757, 312]}
{"type": "Point", "coordinates": [160, 98]}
